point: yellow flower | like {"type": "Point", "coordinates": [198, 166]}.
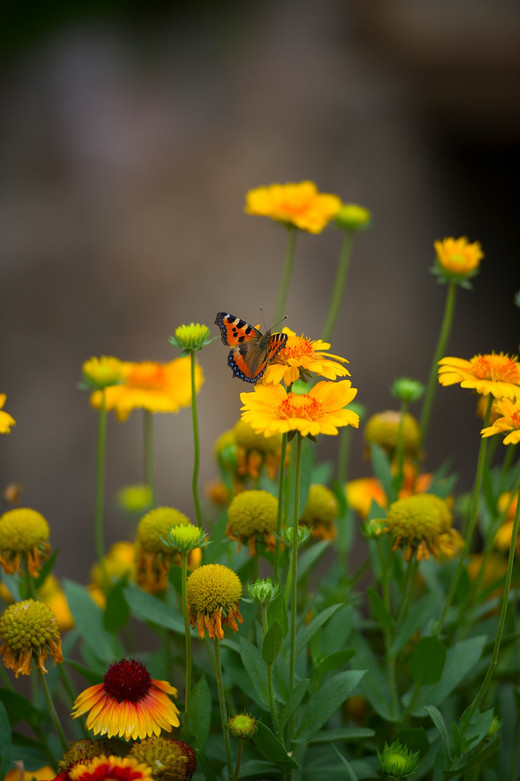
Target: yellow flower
{"type": "Point", "coordinates": [362, 491]}
{"type": "Point", "coordinates": [213, 593]}
{"type": "Point", "coordinates": [321, 510]}
{"type": "Point", "coordinates": [6, 420]}
{"type": "Point", "coordinates": [170, 760]}
{"type": "Point", "coordinates": [29, 631]}
{"type": "Point", "coordinates": [110, 768]}
{"type": "Point", "coordinates": [457, 257]}
{"type": "Point", "coordinates": [506, 505]}
{"type": "Point", "coordinates": [23, 537]}
{"type": "Point", "coordinates": [299, 356]}
{"type": "Point", "coordinates": [118, 563]}
{"type": "Point", "coordinates": [129, 703]}
{"type": "Point", "coordinates": [99, 373]}
{"type": "Point", "coordinates": [492, 373]}
{"type": "Point", "coordinates": [156, 387]}
{"type": "Point", "coordinates": [194, 336]}
{"type": "Point", "coordinates": [135, 499]}
{"type": "Point", "coordinates": [153, 554]}
{"type": "Point", "coordinates": [52, 594]}
{"type": "Point", "coordinates": [508, 423]}
{"type": "Point", "coordinates": [299, 205]}
{"type": "Point", "coordinates": [422, 524]}
{"type": "Point", "coordinates": [272, 410]}
{"type": "Point", "coordinates": [252, 518]}
{"type": "Point", "coordinates": [45, 773]}
{"type": "Point", "coordinates": [383, 429]}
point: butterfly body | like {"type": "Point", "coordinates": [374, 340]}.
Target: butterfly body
{"type": "Point", "coordinates": [251, 350]}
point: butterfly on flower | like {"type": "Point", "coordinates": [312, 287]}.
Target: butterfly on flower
{"type": "Point", "coordinates": [251, 350]}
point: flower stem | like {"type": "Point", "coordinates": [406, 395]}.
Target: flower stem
{"type": "Point", "coordinates": [447, 321]}
{"type": "Point", "coordinates": [283, 290]}
{"type": "Point", "coordinates": [149, 477]}
{"type": "Point", "coordinates": [279, 515]}
{"type": "Point", "coordinates": [187, 636]}
{"type": "Point", "coordinates": [52, 710]}
{"type": "Point", "coordinates": [501, 621]}
{"type": "Point", "coordinates": [239, 760]}
{"type": "Point", "coordinates": [196, 447]}
{"type": "Point", "coordinates": [339, 287]}
{"type": "Point", "coordinates": [294, 562]}
{"type": "Point", "coordinates": [100, 487]}
{"type": "Point", "coordinates": [222, 704]}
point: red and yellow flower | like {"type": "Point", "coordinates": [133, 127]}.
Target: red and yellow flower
{"type": "Point", "coordinates": [300, 357]}
{"type": "Point", "coordinates": [507, 423]}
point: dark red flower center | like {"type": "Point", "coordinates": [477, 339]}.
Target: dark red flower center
{"type": "Point", "coordinates": [127, 680]}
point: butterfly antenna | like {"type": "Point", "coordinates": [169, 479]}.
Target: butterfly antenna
{"type": "Point", "coordinates": [263, 318]}
{"type": "Point", "coordinates": [279, 322]}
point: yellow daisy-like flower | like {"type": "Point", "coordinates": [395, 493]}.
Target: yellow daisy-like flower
{"type": "Point", "coordinates": [29, 631]}
{"type": "Point", "coordinates": [111, 768]}
{"type": "Point", "coordinates": [299, 205]}
{"type": "Point", "coordinates": [153, 554]}
{"type": "Point", "coordinates": [24, 535]}
{"type": "Point", "coordinates": [53, 595]}
{"type": "Point", "coordinates": [301, 356]}
{"type": "Point", "coordinates": [6, 420]}
{"type": "Point", "coordinates": [252, 518]}
{"type": "Point", "coordinates": [45, 773]}
{"type": "Point", "coordinates": [422, 524]}
{"type": "Point", "coordinates": [363, 490]}
{"type": "Point", "coordinates": [156, 387]}
{"type": "Point", "coordinates": [493, 373]}
{"type": "Point", "coordinates": [321, 510]}
{"type": "Point", "coordinates": [508, 423]}
{"type": "Point", "coordinates": [213, 593]}
{"type": "Point", "coordinates": [170, 760]}
{"type": "Point", "coordinates": [103, 372]}
{"type": "Point", "coordinates": [457, 257]}
{"type": "Point", "coordinates": [118, 562]}
{"type": "Point", "coordinates": [271, 409]}
{"type": "Point", "coordinates": [506, 505]}
{"type": "Point", "coordinates": [129, 703]}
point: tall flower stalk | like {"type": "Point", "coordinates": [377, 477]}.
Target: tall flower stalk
{"type": "Point", "coordinates": [285, 282]}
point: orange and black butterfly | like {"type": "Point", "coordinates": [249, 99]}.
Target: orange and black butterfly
{"type": "Point", "coordinates": [251, 350]}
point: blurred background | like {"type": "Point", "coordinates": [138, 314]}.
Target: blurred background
{"type": "Point", "coordinates": [129, 135]}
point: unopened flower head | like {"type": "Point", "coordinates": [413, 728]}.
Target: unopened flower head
{"type": "Point", "coordinates": [252, 517]}
{"type": "Point", "coordinates": [457, 260]}
{"type": "Point", "coordinates": [24, 535]}
{"type": "Point", "coordinates": [497, 374]}
{"type": "Point", "coordinates": [373, 528]}
{"type": "Point", "coordinates": [352, 217]}
{"type": "Point", "coordinates": [6, 420]}
{"type": "Point", "coordinates": [300, 357]}
{"type": "Point", "coordinates": [422, 525]}
{"type": "Point", "coordinates": [507, 422]}
{"type": "Point", "coordinates": [186, 538]}
{"type": "Point", "coordinates": [398, 761]}
{"type": "Point", "coordinates": [135, 499]}
{"type": "Point", "coordinates": [263, 590]}
{"type": "Point", "coordinates": [103, 372]}
{"type": "Point", "coordinates": [297, 205]}
{"type": "Point", "coordinates": [320, 512]}
{"type": "Point", "coordinates": [242, 726]}
{"type": "Point", "coordinates": [128, 703]}
{"type": "Point", "coordinates": [255, 451]}
{"type": "Point", "coordinates": [214, 592]}
{"type": "Point", "coordinates": [384, 429]}
{"type": "Point", "coordinates": [303, 534]}
{"type": "Point", "coordinates": [271, 409]}
{"type": "Point", "coordinates": [29, 631]}
{"type": "Point", "coordinates": [407, 390]}
{"type": "Point", "coordinates": [110, 768]}
{"type": "Point", "coordinates": [170, 760]}
{"type": "Point", "coordinates": [81, 752]}
{"type": "Point", "coordinates": [154, 555]}
{"type": "Point", "coordinates": [191, 337]}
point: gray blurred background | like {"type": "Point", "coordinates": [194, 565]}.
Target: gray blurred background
{"type": "Point", "coordinates": [130, 133]}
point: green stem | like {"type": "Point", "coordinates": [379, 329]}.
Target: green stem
{"type": "Point", "coordinates": [239, 760]}
{"type": "Point", "coordinates": [469, 531]}
{"type": "Point", "coordinates": [339, 287]}
{"type": "Point", "coordinates": [52, 710]}
{"type": "Point", "coordinates": [222, 705]}
{"type": "Point", "coordinates": [294, 562]}
{"type": "Point", "coordinates": [149, 476]}
{"type": "Point", "coordinates": [399, 450]}
{"type": "Point", "coordinates": [187, 636]}
{"type": "Point", "coordinates": [447, 321]}
{"type": "Point", "coordinates": [501, 621]}
{"type": "Point", "coordinates": [196, 447]}
{"type": "Point", "coordinates": [100, 488]}
{"type": "Point", "coordinates": [283, 290]}
{"type": "Point", "coordinates": [411, 572]}
{"type": "Point", "coordinates": [279, 516]}
{"type": "Point", "coordinates": [345, 437]}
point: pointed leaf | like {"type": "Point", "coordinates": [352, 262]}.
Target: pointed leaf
{"type": "Point", "coordinates": [346, 733]}
{"type": "Point", "coordinates": [476, 759]}
{"type": "Point", "coordinates": [438, 720]}
{"type": "Point", "coordinates": [272, 643]}
{"type": "Point", "coordinates": [148, 608]}
{"type": "Point", "coordinates": [5, 743]}
{"type": "Point", "coordinates": [379, 609]}
{"type": "Point", "coordinates": [427, 660]}
{"type": "Point", "coordinates": [270, 747]}
{"type": "Point", "coordinates": [298, 693]}
{"type": "Point", "coordinates": [306, 631]}
{"type": "Point", "coordinates": [116, 611]}
{"type": "Point", "coordinates": [89, 621]}
{"type": "Point", "coordinates": [335, 661]}
{"type": "Point", "coordinates": [277, 611]}
{"type": "Point", "coordinates": [311, 556]}
{"type": "Point", "coordinates": [200, 713]}
{"type": "Point", "coordinates": [255, 666]}
{"type": "Point", "coordinates": [420, 612]}
{"type": "Point", "coordinates": [325, 702]}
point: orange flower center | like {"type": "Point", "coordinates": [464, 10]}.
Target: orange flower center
{"type": "Point", "coordinates": [500, 368]}
{"type": "Point", "coordinates": [515, 419]}
{"type": "Point", "coordinates": [303, 347]}
{"type": "Point", "coordinates": [296, 406]}
{"type": "Point", "coordinates": [127, 680]}
{"type": "Point", "coordinates": [147, 376]}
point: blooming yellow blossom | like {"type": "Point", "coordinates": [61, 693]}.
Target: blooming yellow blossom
{"type": "Point", "coordinates": [492, 373]}
{"type": "Point", "coordinates": [299, 205]}
{"type": "Point", "coordinates": [508, 423]}
{"type": "Point", "coordinates": [156, 387]}
{"type": "Point", "coordinates": [111, 768]}
{"type": "Point", "coordinates": [6, 420]}
{"type": "Point", "coordinates": [457, 257]}
{"type": "Point", "coordinates": [271, 409]}
{"type": "Point", "coordinates": [300, 356]}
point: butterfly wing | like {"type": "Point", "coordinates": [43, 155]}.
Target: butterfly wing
{"type": "Point", "coordinates": [250, 349]}
{"type": "Point", "coordinates": [276, 342]}
{"type": "Point", "coordinates": [234, 331]}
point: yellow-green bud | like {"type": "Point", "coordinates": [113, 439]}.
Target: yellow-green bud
{"type": "Point", "coordinates": [242, 726]}
{"type": "Point", "coordinates": [353, 217]}
{"type": "Point", "coordinates": [186, 538]}
{"type": "Point", "coordinates": [407, 390]}
{"type": "Point", "coordinates": [398, 761]}
{"type": "Point", "coordinates": [263, 590]}
{"type": "Point", "coordinates": [191, 337]}
{"type": "Point", "coordinates": [304, 534]}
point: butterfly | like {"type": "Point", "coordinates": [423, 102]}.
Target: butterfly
{"type": "Point", "coordinates": [251, 350]}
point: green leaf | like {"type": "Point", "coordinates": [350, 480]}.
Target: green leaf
{"type": "Point", "coordinates": [19, 708]}
{"type": "Point", "coordinates": [89, 621]}
{"type": "Point", "coordinates": [306, 631]}
{"type": "Point", "coordinates": [277, 611]}
{"type": "Point", "coordinates": [379, 609]}
{"type": "Point", "coordinates": [206, 765]}
{"type": "Point", "coordinates": [427, 660]}
{"type": "Point", "coordinates": [272, 643]}
{"type": "Point", "coordinates": [374, 685]}
{"type": "Point", "coordinates": [350, 769]}
{"type": "Point", "coordinates": [419, 614]}
{"type": "Point", "coordinates": [116, 610]}
{"type": "Point", "coordinates": [200, 713]}
{"type": "Point", "coordinates": [150, 609]}
{"type": "Point", "coordinates": [270, 747]}
{"type": "Point", "coordinates": [255, 666]}
{"type": "Point", "coordinates": [476, 759]}
{"type": "Point", "coordinates": [414, 738]}
{"type": "Point", "coordinates": [347, 733]}
{"type": "Point", "coordinates": [325, 702]}
{"type": "Point", "coordinates": [478, 727]}
{"type": "Point", "coordinates": [29, 751]}
{"type": "Point", "coordinates": [440, 725]}
{"type": "Point", "coordinates": [335, 661]}
{"type": "Point", "coordinates": [297, 695]}
{"type": "Point", "coordinates": [6, 742]}
{"type": "Point", "coordinates": [311, 556]}
{"type": "Point", "coordinates": [382, 468]}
